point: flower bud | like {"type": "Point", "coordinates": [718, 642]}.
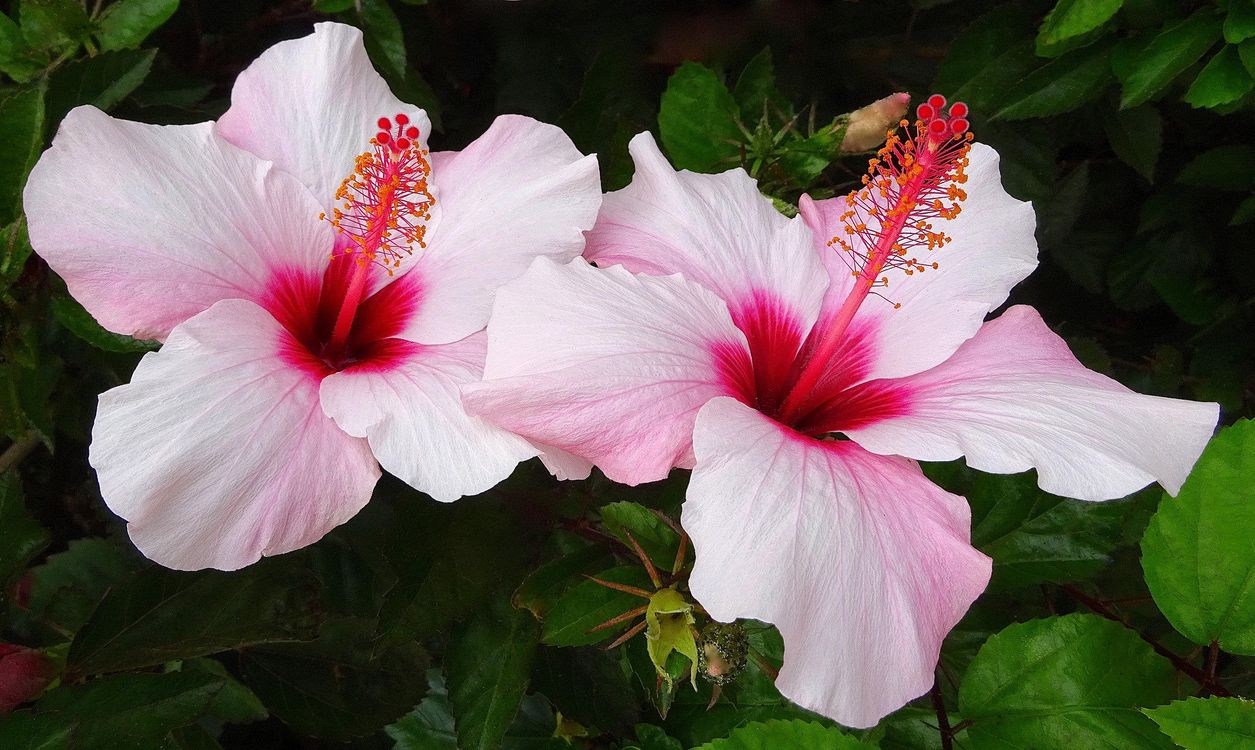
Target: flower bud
{"type": "Point", "coordinates": [865, 128]}
{"type": "Point", "coordinates": [24, 673]}
{"type": "Point", "coordinates": [722, 652]}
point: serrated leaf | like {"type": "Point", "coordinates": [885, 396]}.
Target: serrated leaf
{"type": "Point", "coordinates": [697, 120]}
{"type": "Point", "coordinates": [1223, 168]}
{"type": "Point", "coordinates": [545, 585]}
{"type": "Point", "coordinates": [335, 687]}
{"type": "Point", "coordinates": [755, 91]}
{"type": "Point", "coordinates": [78, 321]}
{"type": "Point", "coordinates": [1136, 135]}
{"type": "Point", "coordinates": [68, 585]}
{"type": "Point", "coordinates": [1223, 80]}
{"type": "Point", "coordinates": [794, 733]}
{"type": "Point", "coordinates": [1168, 55]}
{"type": "Point", "coordinates": [102, 81]}
{"type": "Point", "coordinates": [1071, 18]}
{"type": "Point", "coordinates": [1239, 23]}
{"type": "Point", "coordinates": [1060, 85]}
{"type": "Point", "coordinates": [21, 537]}
{"type": "Point", "coordinates": [430, 725]}
{"type": "Point", "coordinates": [1073, 681]}
{"type": "Point", "coordinates": [1197, 551]}
{"type": "Point", "coordinates": [659, 540]}
{"type": "Point", "coordinates": [125, 24]}
{"type": "Point", "coordinates": [54, 24]}
{"type": "Point", "coordinates": [487, 667]}
{"type": "Point", "coordinates": [1208, 723]}
{"type": "Point", "coordinates": [19, 61]}
{"type": "Point", "coordinates": [588, 604]}
{"type": "Point", "coordinates": [161, 615]}
{"type": "Point", "coordinates": [22, 126]}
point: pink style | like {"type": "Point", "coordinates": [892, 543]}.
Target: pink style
{"type": "Point", "coordinates": [717, 335]}
{"type": "Point", "coordinates": [320, 283]}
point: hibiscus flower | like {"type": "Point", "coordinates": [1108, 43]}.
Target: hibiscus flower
{"type": "Point", "coordinates": [320, 283]}
{"type": "Point", "coordinates": [799, 367]}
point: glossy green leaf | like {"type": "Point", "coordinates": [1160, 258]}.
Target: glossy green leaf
{"type": "Point", "coordinates": [336, 687]}
{"type": "Point", "coordinates": [22, 128]}
{"type": "Point", "coordinates": [1239, 22]}
{"type": "Point", "coordinates": [1060, 85]}
{"type": "Point", "coordinates": [1136, 135]}
{"type": "Point", "coordinates": [795, 733]}
{"type": "Point", "coordinates": [1223, 80]}
{"type": "Point", "coordinates": [1071, 18]}
{"type": "Point", "coordinates": [384, 39]}
{"type": "Point", "coordinates": [589, 604]}
{"type": "Point", "coordinates": [659, 540]}
{"type": "Point", "coordinates": [160, 615]}
{"type": "Point", "coordinates": [125, 24]}
{"type": "Point", "coordinates": [697, 121]}
{"type": "Point", "coordinates": [1168, 55]}
{"type": "Point", "coordinates": [1208, 723]}
{"type": "Point", "coordinates": [102, 81]}
{"type": "Point", "coordinates": [487, 666]}
{"type": "Point", "coordinates": [59, 25]}
{"type": "Point", "coordinates": [1197, 551]}
{"type": "Point", "coordinates": [1074, 681]}
{"type": "Point", "coordinates": [21, 537]}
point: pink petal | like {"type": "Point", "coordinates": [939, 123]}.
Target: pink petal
{"type": "Point", "coordinates": [603, 364]}
{"type": "Point", "coordinates": [405, 400]}
{"type": "Point", "coordinates": [149, 225]}
{"type": "Point", "coordinates": [217, 452]}
{"type": "Point", "coordinates": [862, 563]}
{"type": "Point", "coordinates": [993, 250]}
{"type": "Point", "coordinates": [717, 230]}
{"type": "Point", "coordinates": [519, 191]}
{"type": "Point", "coordinates": [310, 105]}
{"type": "Point", "coordinates": [1013, 398]}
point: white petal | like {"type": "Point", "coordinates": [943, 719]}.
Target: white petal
{"type": "Point", "coordinates": [717, 230]}
{"type": "Point", "coordinates": [217, 452]}
{"type": "Point", "coordinates": [151, 224]}
{"type": "Point", "coordinates": [520, 191]}
{"type": "Point", "coordinates": [407, 404]}
{"type": "Point", "coordinates": [311, 105]}
{"type": "Point", "coordinates": [605, 365]}
{"type": "Point", "coordinates": [862, 563]}
{"type": "Point", "coordinates": [1013, 398]}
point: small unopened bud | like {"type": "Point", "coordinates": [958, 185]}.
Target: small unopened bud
{"type": "Point", "coordinates": [865, 129]}
{"type": "Point", "coordinates": [24, 673]}
{"type": "Point", "coordinates": [722, 652]}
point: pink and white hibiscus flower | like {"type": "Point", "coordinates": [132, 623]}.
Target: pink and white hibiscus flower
{"type": "Point", "coordinates": [300, 352]}
{"type": "Point", "coordinates": [719, 335]}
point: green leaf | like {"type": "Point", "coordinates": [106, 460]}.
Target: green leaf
{"type": "Point", "coordinates": [121, 712]}
{"type": "Point", "coordinates": [430, 725]}
{"type": "Point", "coordinates": [1223, 168]}
{"type": "Point", "coordinates": [793, 733]}
{"type": "Point", "coordinates": [588, 604]}
{"type": "Point", "coordinates": [17, 59]}
{"type": "Point", "coordinates": [1224, 80]}
{"type": "Point", "coordinates": [59, 25]}
{"type": "Point", "coordinates": [332, 6]}
{"type": "Point", "coordinates": [1168, 55]}
{"type": "Point", "coordinates": [659, 540]}
{"type": "Point", "coordinates": [1245, 212]}
{"type": "Point", "coordinates": [550, 581]}
{"type": "Point", "coordinates": [487, 667]}
{"type": "Point", "coordinates": [1197, 551]}
{"type": "Point", "coordinates": [1136, 135]}
{"type": "Point", "coordinates": [161, 615]}
{"type": "Point", "coordinates": [988, 58]}
{"type": "Point", "coordinates": [21, 538]}
{"type": "Point", "coordinates": [755, 91]}
{"type": "Point", "coordinates": [22, 127]}
{"type": "Point", "coordinates": [78, 321]}
{"type": "Point", "coordinates": [586, 684]}
{"type": "Point", "coordinates": [1208, 723]}
{"type": "Point", "coordinates": [102, 81]}
{"type": "Point", "coordinates": [125, 24]}
{"type": "Point", "coordinates": [383, 37]}
{"type": "Point", "coordinates": [697, 120]}
{"type": "Point", "coordinates": [335, 687]}
{"type": "Point", "coordinates": [69, 585]}
{"type": "Point", "coordinates": [1060, 85]}
{"type": "Point", "coordinates": [1071, 18]}
{"type": "Point", "coordinates": [1239, 24]}
{"type": "Point", "coordinates": [1074, 681]}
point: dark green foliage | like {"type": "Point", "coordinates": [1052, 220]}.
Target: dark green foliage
{"type": "Point", "coordinates": [422, 626]}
